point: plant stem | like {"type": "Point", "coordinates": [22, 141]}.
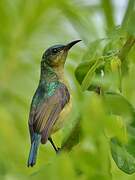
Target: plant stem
{"type": "Point", "coordinates": [126, 48]}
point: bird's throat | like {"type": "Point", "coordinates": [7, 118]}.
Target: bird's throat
{"type": "Point", "coordinates": [50, 74]}
{"type": "Point", "coordinates": [60, 73]}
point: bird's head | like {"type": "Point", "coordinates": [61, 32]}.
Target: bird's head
{"type": "Point", "coordinates": [56, 55]}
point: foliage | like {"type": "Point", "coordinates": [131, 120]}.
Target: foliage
{"type": "Point", "coordinates": [101, 128]}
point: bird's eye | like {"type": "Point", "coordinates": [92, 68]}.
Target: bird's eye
{"type": "Point", "coordinates": [54, 50]}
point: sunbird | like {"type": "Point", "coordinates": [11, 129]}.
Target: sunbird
{"type": "Point", "coordinates": [51, 102]}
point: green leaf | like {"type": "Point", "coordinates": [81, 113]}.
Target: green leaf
{"type": "Point", "coordinates": [87, 79]}
{"type": "Point", "coordinates": [82, 70]}
{"type": "Point", "coordinates": [128, 20]}
{"type": "Point", "coordinates": [123, 157]}
{"type": "Point", "coordinates": [97, 80]}
{"type": "Point", "coordinates": [119, 105]}
{"type": "Point", "coordinates": [123, 153]}
{"type": "Point", "coordinates": [108, 12]}
{"type": "Point", "coordinates": [85, 72]}
{"type": "Point", "coordinates": [73, 137]}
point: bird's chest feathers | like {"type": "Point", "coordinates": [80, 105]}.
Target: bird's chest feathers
{"type": "Point", "coordinates": [67, 109]}
{"type": "Point", "coordinates": [51, 80]}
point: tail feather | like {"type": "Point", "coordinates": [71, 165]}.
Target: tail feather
{"type": "Point", "coordinates": [34, 149]}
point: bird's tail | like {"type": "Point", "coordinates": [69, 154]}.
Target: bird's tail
{"type": "Point", "coordinates": [34, 149]}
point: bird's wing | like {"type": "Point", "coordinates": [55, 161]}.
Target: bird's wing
{"type": "Point", "coordinates": [45, 115]}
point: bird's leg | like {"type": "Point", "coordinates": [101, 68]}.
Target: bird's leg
{"type": "Point", "coordinates": [52, 143]}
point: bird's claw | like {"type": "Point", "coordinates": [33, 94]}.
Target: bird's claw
{"type": "Point", "coordinates": [58, 150]}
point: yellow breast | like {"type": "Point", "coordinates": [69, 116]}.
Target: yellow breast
{"type": "Point", "coordinates": [62, 117]}
{"type": "Point", "coordinates": [67, 109]}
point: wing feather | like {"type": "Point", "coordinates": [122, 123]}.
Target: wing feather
{"type": "Point", "coordinates": [46, 114]}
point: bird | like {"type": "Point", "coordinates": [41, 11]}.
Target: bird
{"type": "Point", "coordinates": [51, 102]}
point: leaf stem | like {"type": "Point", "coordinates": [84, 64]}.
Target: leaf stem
{"type": "Point", "coordinates": [126, 48]}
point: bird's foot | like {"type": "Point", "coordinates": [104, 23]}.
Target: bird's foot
{"type": "Point", "coordinates": [58, 150]}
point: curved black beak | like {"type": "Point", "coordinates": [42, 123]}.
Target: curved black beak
{"type": "Point", "coordinates": [69, 45]}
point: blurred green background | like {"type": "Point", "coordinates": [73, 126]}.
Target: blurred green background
{"type": "Point", "coordinates": [27, 28]}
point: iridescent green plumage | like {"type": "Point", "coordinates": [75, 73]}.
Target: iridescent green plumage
{"type": "Point", "coordinates": [49, 99]}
